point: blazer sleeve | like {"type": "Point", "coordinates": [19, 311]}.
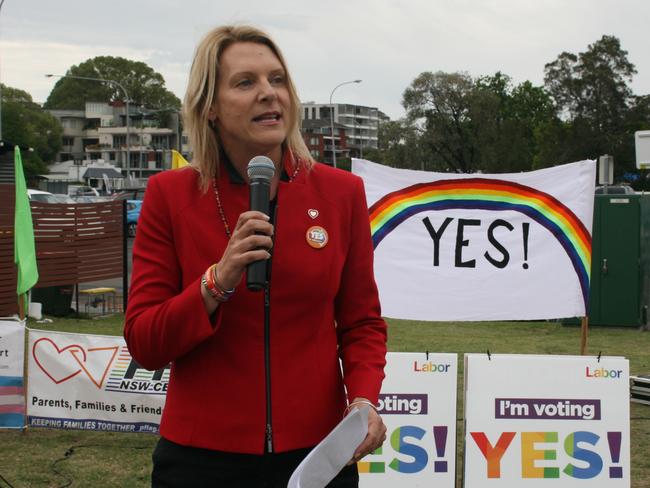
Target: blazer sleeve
{"type": "Point", "coordinates": [164, 321]}
{"type": "Point", "coordinates": [361, 330]}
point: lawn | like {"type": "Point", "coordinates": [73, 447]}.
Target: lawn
{"type": "Point", "coordinates": [58, 458]}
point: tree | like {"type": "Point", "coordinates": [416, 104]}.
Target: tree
{"type": "Point", "coordinates": [26, 124]}
{"type": "Point", "coordinates": [594, 84]}
{"type": "Point", "coordinates": [484, 124]}
{"type": "Point", "coordinates": [438, 105]}
{"type": "Point", "coordinates": [507, 124]}
{"type": "Point", "coordinates": [400, 147]}
{"type": "Point", "coordinates": [145, 86]}
{"type": "Point", "coordinates": [592, 93]}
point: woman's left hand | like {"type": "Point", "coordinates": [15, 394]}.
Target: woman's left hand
{"type": "Point", "coordinates": [375, 437]}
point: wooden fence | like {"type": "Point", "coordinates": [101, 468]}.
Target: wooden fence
{"type": "Point", "coordinates": [8, 301]}
{"type": "Point", "coordinates": [75, 243]}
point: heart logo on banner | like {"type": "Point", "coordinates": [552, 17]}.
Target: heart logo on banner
{"type": "Point", "coordinates": [312, 212]}
{"type": "Point", "coordinates": [62, 364]}
{"type": "Point", "coordinates": [48, 357]}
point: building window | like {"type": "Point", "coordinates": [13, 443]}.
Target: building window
{"type": "Point", "coordinates": [119, 141]}
{"type": "Point", "coordinates": [68, 141]}
{"type": "Point", "coordinates": [68, 123]}
{"type": "Point", "coordinates": [91, 124]}
{"type": "Point", "coordinates": [315, 153]}
{"type": "Point", "coordinates": [160, 142]}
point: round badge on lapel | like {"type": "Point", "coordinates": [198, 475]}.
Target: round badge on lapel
{"type": "Point", "coordinates": [317, 237]}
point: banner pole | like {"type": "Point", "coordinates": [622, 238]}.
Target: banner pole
{"type": "Point", "coordinates": [21, 306]}
{"type": "Point", "coordinates": [25, 378]}
{"type": "Point", "coordinates": [583, 335]}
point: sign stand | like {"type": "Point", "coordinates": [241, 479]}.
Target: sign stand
{"type": "Point", "coordinates": [584, 329]}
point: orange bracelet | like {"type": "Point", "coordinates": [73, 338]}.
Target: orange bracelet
{"type": "Point", "coordinates": [214, 289]}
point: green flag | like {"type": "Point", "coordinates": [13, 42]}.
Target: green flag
{"type": "Point", "coordinates": [24, 247]}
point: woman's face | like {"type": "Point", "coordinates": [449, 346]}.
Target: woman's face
{"type": "Point", "coordinates": [253, 107]}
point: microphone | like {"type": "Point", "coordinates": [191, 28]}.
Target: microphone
{"type": "Point", "coordinates": [260, 172]}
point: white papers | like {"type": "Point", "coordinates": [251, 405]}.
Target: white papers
{"type": "Point", "coordinates": [331, 455]}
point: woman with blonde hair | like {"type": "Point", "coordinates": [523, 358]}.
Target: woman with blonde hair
{"type": "Point", "coordinates": [258, 377]}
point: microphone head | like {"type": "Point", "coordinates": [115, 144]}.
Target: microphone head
{"type": "Point", "coordinates": [260, 168]}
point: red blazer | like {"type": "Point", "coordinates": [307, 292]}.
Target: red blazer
{"type": "Point", "coordinates": [324, 305]}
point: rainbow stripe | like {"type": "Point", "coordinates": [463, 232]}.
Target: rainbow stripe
{"type": "Point", "coordinates": [12, 401]}
{"type": "Point", "coordinates": [488, 194]}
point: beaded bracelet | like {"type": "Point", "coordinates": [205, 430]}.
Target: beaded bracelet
{"type": "Point", "coordinates": [216, 291]}
{"type": "Point", "coordinates": [360, 402]}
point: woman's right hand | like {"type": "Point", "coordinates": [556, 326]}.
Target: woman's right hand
{"type": "Point", "coordinates": [251, 241]}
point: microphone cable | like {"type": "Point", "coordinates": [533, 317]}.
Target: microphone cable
{"type": "Point", "coordinates": [4, 480]}
{"type": "Point", "coordinates": [71, 450]}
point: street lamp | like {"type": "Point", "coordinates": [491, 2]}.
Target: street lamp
{"type": "Point", "coordinates": [332, 117]}
{"type": "Point", "coordinates": [126, 95]}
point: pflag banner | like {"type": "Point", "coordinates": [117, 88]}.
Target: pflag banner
{"type": "Point", "coordinates": [481, 246]}
{"type": "Point", "coordinates": [12, 382]}
{"type": "Point", "coordinates": [24, 247]}
{"type": "Point", "coordinates": [91, 382]}
{"type": "Point", "coordinates": [178, 161]}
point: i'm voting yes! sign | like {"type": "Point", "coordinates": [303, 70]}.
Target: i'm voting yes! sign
{"type": "Point", "coordinates": [560, 421]}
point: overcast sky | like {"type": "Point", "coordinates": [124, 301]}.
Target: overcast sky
{"type": "Point", "coordinates": [386, 43]}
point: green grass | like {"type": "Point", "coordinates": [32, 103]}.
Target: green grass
{"type": "Point", "coordinates": [37, 457]}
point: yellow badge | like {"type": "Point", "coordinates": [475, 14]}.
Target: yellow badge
{"type": "Point", "coordinates": [317, 237]}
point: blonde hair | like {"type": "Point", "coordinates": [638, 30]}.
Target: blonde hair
{"type": "Point", "coordinates": [201, 95]}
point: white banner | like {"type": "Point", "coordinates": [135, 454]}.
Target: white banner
{"type": "Point", "coordinates": [90, 382]}
{"type": "Point", "coordinates": [12, 384]}
{"type": "Point", "coordinates": [481, 247]}
{"type": "Point", "coordinates": [555, 421]}
{"type": "Point", "coordinates": [418, 406]}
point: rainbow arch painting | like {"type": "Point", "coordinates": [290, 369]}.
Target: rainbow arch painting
{"type": "Point", "coordinates": [488, 194]}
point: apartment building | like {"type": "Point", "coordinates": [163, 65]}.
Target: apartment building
{"type": "Point", "coordinates": [100, 133]}
{"type": "Point", "coordinates": [360, 123]}
{"type": "Point", "coordinates": [317, 135]}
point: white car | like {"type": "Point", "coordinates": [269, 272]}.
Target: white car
{"type": "Point", "coordinates": [47, 197]}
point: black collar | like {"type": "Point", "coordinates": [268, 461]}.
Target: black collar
{"type": "Point", "coordinates": [236, 178]}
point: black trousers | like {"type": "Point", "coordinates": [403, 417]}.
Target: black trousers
{"type": "Point", "coordinates": [176, 466]}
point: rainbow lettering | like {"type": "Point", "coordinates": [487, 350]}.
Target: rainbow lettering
{"type": "Point", "coordinates": [529, 455]}
{"type": "Point", "coordinates": [579, 446]}
{"type": "Point", "coordinates": [398, 441]}
{"type": "Point", "coordinates": [412, 441]}
{"type": "Point", "coordinates": [603, 373]}
{"type": "Point", "coordinates": [493, 454]}
{"type": "Point", "coordinates": [488, 194]}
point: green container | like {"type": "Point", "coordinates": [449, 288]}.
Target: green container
{"type": "Point", "coordinates": [620, 266]}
